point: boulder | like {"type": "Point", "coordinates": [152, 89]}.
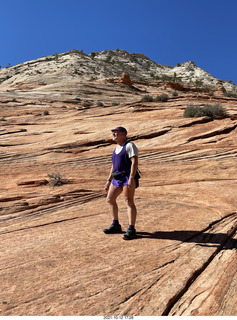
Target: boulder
{"type": "Point", "coordinates": [125, 79]}
{"type": "Point", "coordinates": [219, 89]}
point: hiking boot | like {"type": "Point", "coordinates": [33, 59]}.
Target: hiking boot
{"type": "Point", "coordinates": [129, 235]}
{"type": "Point", "coordinates": [113, 228]}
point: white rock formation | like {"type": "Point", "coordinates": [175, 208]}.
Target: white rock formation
{"type": "Point", "coordinates": [107, 63]}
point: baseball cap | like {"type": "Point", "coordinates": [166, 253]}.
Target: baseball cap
{"type": "Point", "coordinates": [120, 129]}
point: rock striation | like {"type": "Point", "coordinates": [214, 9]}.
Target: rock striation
{"type": "Point", "coordinates": [55, 155]}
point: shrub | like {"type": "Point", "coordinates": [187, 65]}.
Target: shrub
{"type": "Point", "coordinates": [231, 94]}
{"type": "Point", "coordinates": [46, 113]}
{"type": "Point", "coordinates": [148, 65]}
{"type": "Point", "coordinates": [155, 77]}
{"type": "Point", "coordinates": [163, 97]}
{"type": "Point", "coordinates": [192, 111]}
{"type": "Point", "coordinates": [198, 82]}
{"type": "Point", "coordinates": [175, 77]}
{"type": "Point", "coordinates": [87, 104]}
{"type": "Point", "coordinates": [93, 54]}
{"type": "Point", "coordinates": [167, 78]}
{"type": "Point", "coordinates": [147, 98]}
{"type": "Point", "coordinates": [100, 104]}
{"type": "Point", "coordinates": [214, 111]}
{"type": "Point", "coordinates": [174, 93]}
{"type": "Point", "coordinates": [108, 59]}
{"type": "Point", "coordinates": [56, 179]}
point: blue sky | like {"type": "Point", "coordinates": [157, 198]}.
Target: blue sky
{"type": "Point", "coordinates": [167, 31]}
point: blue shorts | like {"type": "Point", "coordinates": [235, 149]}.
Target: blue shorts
{"type": "Point", "coordinates": [123, 182]}
{"type": "Point", "coordinates": [120, 183]}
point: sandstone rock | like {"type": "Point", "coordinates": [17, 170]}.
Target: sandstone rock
{"type": "Point", "coordinates": [206, 291]}
{"type": "Point", "coordinates": [76, 65]}
{"type": "Point", "coordinates": [174, 85]}
{"type": "Point", "coordinates": [54, 258]}
{"type": "Point", "coordinates": [219, 89]}
{"type": "Point", "coordinates": [124, 78]}
{"type": "Point", "coordinates": [33, 183]}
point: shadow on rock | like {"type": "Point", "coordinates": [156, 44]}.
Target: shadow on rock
{"type": "Point", "coordinates": [201, 238]}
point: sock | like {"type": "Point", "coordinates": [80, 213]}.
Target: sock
{"type": "Point", "coordinates": [115, 222]}
{"type": "Point", "coordinates": [131, 227]}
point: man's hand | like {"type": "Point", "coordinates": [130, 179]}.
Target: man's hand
{"type": "Point", "coordinates": [107, 185]}
{"type": "Point", "coordinates": [131, 182]}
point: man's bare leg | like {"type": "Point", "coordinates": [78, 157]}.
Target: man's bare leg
{"type": "Point", "coordinates": [113, 193]}
{"type": "Point", "coordinates": [129, 192]}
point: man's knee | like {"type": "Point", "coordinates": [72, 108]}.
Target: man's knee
{"type": "Point", "coordinates": [129, 202]}
{"type": "Point", "coordinates": [110, 200]}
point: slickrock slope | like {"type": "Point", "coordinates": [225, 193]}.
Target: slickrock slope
{"type": "Point", "coordinates": [79, 66]}
{"type": "Point", "coordinates": [54, 257]}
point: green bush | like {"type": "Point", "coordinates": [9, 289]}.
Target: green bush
{"type": "Point", "coordinates": [198, 82]}
{"type": "Point", "coordinates": [147, 98]}
{"type": "Point", "coordinates": [163, 97]}
{"type": "Point", "coordinates": [108, 59]}
{"type": "Point", "coordinates": [214, 111]}
{"type": "Point", "coordinates": [167, 78]}
{"type": "Point", "coordinates": [192, 111]}
{"type": "Point", "coordinates": [231, 94]}
{"type": "Point", "coordinates": [87, 104]}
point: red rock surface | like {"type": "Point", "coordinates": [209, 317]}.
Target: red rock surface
{"type": "Point", "coordinates": [124, 79]}
{"type": "Point", "coordinates": [54, 258]}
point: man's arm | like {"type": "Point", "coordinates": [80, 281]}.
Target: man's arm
{"type": "Point", "coordinates": [134, 166]}
{"type": "Point", "coordinates": [110, 178]}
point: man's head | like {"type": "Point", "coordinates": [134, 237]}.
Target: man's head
{"type": "Point", "coordinates": [119, 134]}
{"type": "Point", "coordinates": [122, 129]}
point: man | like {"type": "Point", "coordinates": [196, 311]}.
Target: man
{"type": "Point", "coordinates": [123, 176]}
